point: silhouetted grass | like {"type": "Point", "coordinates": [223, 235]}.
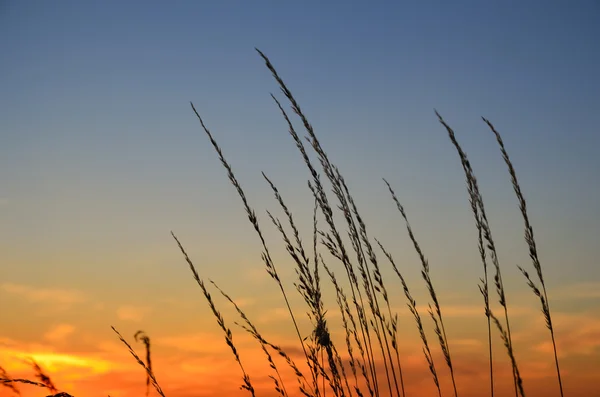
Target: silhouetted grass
{"type": "Point", "coordinates": [364, 318]}
{"type": "Point", "coordinates": [145, 339]}
{"type": "Point", "coordinates": [370, 349]}
{"type": "Point", "coordinates": [43, 381]}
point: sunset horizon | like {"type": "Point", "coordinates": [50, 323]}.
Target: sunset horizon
{"type": "Point", "coordinates": [169, 170]}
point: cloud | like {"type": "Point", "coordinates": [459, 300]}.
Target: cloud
{"type": "Point", "coordinates": [55, 296]}
{"type": "Point", "coordinates": [274, 315]}
{"type": "Point", "coordinates": [55, 362]}
{"type": "Point", "coordinates": [579, 291]}
{"type": "Point", "coordinates": [133, 313]}
{"type": "Point", "coordinates": [474, 344]}
{"type": "Point", "coordinates": [16, 354]}
{"type": "Point", "coordinates": [207, 343]}
{"type": "Point", "coordinates": [575, 334]}
{"type": "Point", "coordinates": [59, 332]}
{"type": "Point", "coordinates": [245, 302]}
{"type": "Point", "coordinates": [255, 274]}
{"type": "Point", "coordinates": [464, 311]}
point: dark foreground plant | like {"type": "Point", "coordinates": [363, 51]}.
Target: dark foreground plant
{"type": "Point", "coordinates": [43, 381]}
{"type": "Point", "coordinates": [368, 361]}
{"type": "Point", "coordinates": [367, 327]}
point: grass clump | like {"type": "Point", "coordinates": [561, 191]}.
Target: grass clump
{"type": "Point", "coordinates": [368, 362]}
{"type": "Point", "coordinates": [43, 380]}
{"type": "Point", "coordinates": [370, 326]}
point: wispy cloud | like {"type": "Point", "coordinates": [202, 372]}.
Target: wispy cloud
{"type": "Point", "coordinates": [245, 302]}
{"type": "Point", "coordinates": [274, 315]}
{"type": "Point", "coordinates": [468, 344]}
{"type": "Point", "coordinates": [133, 313]}
{"type": "Point", "coordinates": [56, 296]}
{"type": "Point", "coordinates": [463, 311]}
{"type": "Point", "coordinates": [56, 362]}
{"type": "Point", "coordinates": [255, 274]}
{"type": "Point", "coordinates": [203, 342]}
{"type": "Point", "coordinates": [575, 334]}
{"type": "Point", "coordinates": [15, 353]}
{"type": "Point", "coordinates": [59, 333]}
{"type": "Point", "coordinates": [588, 290]}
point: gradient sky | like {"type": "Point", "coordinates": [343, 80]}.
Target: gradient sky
{"type": "Point", "coordinates": [101, 157]}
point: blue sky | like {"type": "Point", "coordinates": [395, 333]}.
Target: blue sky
{"type": "Point", "coordinates": [101, 155]}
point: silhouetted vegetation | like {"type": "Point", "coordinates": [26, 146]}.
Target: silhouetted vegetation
{"type": "Point", "coordinates": [368, 362]}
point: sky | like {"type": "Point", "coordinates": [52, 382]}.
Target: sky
{"type": "Point", "coordinates": [101, 157]}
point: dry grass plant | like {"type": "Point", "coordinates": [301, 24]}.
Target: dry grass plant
{"type": "Point", "coordinates": [368, 362]}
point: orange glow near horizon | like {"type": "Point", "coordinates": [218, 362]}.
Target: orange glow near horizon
{"type": "Point", "coordinates": [200, 364]}
{"type": "Point", "coordinates": [347, 163]}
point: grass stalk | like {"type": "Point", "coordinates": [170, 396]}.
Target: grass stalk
{"type": "Point", "coordinates": [278, 382]}
{"type": "Point", "coordinates": [482, 220]}
{"type": "Point", "coordinates": [266, 256]}
{"type": "Point", "coordinates": [412, 306]}
{"type": "Point", "coordinates": [145, 339]}
{"type": "Point", "coordinates": [247, 384]}
{"type": "Point", "coordinates": [137, 358]}
{"type": "Point", "coordinates": [323, 202]}
{"type": "Point", "coordinates": [533, 252]}
{"type": "Point", "coordinates": [436, 316]}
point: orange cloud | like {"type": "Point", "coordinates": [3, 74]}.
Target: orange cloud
{"type": "Point", "coordinates": [56, 296]}
{"type": "Point", "coordinates": [133, 313]}
{"type": "Point", "coordinates": [245, 302]}
{"type": "Point", "coordinates": [273, 315]}
{"type": "Point", "coordinates": [16, 355]}
{"type": "Point", "coordinates": [462, 311]}
{"type": "Point", "coordinates": [59, 333]}
{"type": "Point", "coordinates": [201, 342]}
{"type": "Point", "coordinates": [575, 334]}
{"type": "Point", "coordinates": [589, 290]}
